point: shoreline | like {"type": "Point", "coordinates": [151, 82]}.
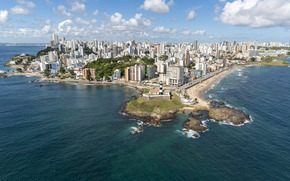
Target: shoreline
{"type": "Point", "coordinates": [215, 110]}
{"type": "Point", "coordinates": [44, 79]}
{"type": "Point", "coordinates": [200, 89]}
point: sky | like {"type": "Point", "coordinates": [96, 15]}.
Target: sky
{"type": "Point", "coordinates": [173, 21]}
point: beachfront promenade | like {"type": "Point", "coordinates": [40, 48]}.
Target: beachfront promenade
{"type": "Point", "coordinates": [199, 80]}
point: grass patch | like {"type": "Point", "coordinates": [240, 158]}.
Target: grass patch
{"type": "Point", "coordinates": [65, 76]}
{"type": "Point", "coordinates": [146, 91]}
{"type": "Point", "coordinates": [154, 106]}
{"type": "Point", "coordinates": [273, 63]}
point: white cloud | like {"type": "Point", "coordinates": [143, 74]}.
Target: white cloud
{"type": "Point", "coordinates": [191, 16]}
{"type": "Point", "coordinates": [78, 7]}
{"type": "Point", "coordinates": [23, 7]}
{"type": "Point", "coordinates": [3, 16]}
{"type": "Point", "coordinates": [161, 29]}
{"type": "Point", "coordinates": [62, 12]}
{"type": "Point", "coordinates": [170, 3]}
{"type": "Point", "coordinates": [121, 24]}
{"type": "Point", "coordinates": [256, 13]}
{"type": "Point", "coordinates": [65, 26]}
{"type": "Point", "coordinates": [19, 10]}
{"type": "Point", "coordinates": [116, 18]}
{"type": "Point", "coordinates": [222, 0]}
{"type": "Point", "coordinates": [198, 33]}
{"type": "Point", "coordinates": [146, 22]}
{"type": "Point", "coordinates": [94, 21]}
{"type": "Point", "coordinates": [81, 21]}
{"type": "Point", "coordinates": [96, 12]}
{"type": "Point", "coordinates": [47, 29]}
{"type": "Point", "coordinates": [157, 6]}
{"type": "Point", "coordinates": [28, 4]}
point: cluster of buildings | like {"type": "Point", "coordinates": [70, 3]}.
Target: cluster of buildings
{"type": "Point", "coordinates": [174, 64]}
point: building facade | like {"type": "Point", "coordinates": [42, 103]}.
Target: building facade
{"type": "Point", "coordinates": [117, 74]}
{"type": "Point", "coordinates": [137, 73]}
{"type": "Point", "coordinates": [175, 76]}
{"type": "Point", "coordinates": [150, 71]}
{"type": "Point", "coordinates": [89, 71]}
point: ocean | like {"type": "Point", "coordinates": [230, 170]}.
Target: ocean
{"type": "Point", "coordinates": [8, 52]}
{"type": "Point", "coordinates": [74, 132]}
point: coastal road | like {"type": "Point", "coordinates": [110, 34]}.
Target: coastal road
{"type": "Point", "coordinates": [201, 79]}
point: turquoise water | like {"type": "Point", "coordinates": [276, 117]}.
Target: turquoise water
{"type": "Point", "coordinates": [74, 132]}
{"type": "Point", "coordinates": [8, 52]}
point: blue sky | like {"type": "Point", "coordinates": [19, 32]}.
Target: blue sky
{"type": "Point", "coordinates": [31, 21]}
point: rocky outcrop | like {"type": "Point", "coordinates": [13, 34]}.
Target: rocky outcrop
{"type": "Point", "coordinates": [152, 118]}
{"type": "Point", "coordinates": [195, 125]}
{"type": "Point", "coordinates": [217, 104]}
{"type": "Point", "coordinates": [196, 114]}
{"type": "Point", "coordinates": [229, 115]}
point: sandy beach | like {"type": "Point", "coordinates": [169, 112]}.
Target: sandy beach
{"type": "Point", "coordinates": [16, 66]}
{"type": "Point", "coordinates": [25, 74]}
{"type": "Point", "coordinates": [200, 89]}
{"type": "Point", "coordinates": [134, 85]}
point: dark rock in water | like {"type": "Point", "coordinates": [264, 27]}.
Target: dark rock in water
{"type": "Point", "coordinates": [194, 125]}
{"type": "Point", "coordinates": [40, 85]}
{"type": "Point", "coordinates": [36, 80]}
{"type": "Point", "coordinates": [230, 115]}
{"type": "Point", "coordinates": [217, 104]}
{"type": "Point", "coordinates": [196, 115]}
{"type": "Point", "coordinates": [134, 97]}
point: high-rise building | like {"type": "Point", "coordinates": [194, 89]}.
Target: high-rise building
{"type": "Point", "coordinates": [130, 50]}
{"type": "Point", "coordinates": [89, 71]}
{"type": "Point", "coordinates": [53, 57]}
{"type": "Point", "coordinates": [248, 45]}
{"type": "Point", "coordinates": [137, 73]}
{"type": "Point", "coordinates": [256, 45]}
{"type": "Point", "coordinates": [81, 50]}
{"type": "Point", "coordinates": [55, 39]}
{"type": "Point", "coordinates": [195, 45]}
{"type": "Point", "coordinates": [187, 61]}
{"type": "Point", "coordinates": [63, 59]}
{"type": "Point", "coordinates": [115, 50]}
{"type": "Point", "coordinates": [174, 76]}
{"type": "Point", "coordinates": [150, 71]}
{"type": "Point", "coordinates": [127, 74]}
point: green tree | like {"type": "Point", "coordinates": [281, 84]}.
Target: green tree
{"type": "Point", "coordinates": [98, 77]}
{"type": "Point", "coordinates": [70, 71]}
{"type": "Point", "coordinates": [107, 78]}
{"type": "Point", "coordinates": [253, 59]}
{"type": "Point", "coordinates": [61, 70]}
{"type": "Point", "coordinates": [46, 73]}
{"type": "Point", "coordinates": [19, 70]}
{"type": "Point", "coordinates": [164, 57]}
{"type": "Point", "coordinates": [89, 77]}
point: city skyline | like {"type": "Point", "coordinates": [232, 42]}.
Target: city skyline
{"type": "Point", "coordinates": [145, 20]}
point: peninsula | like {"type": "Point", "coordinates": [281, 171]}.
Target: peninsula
{"type": "Point", "coordinates": [172, 78]}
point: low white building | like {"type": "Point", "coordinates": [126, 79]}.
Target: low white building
{"type": "Point", "coordinates": [117, 74]}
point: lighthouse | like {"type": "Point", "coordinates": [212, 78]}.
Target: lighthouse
{"type": "Point", "coordinates": [161, 88]}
